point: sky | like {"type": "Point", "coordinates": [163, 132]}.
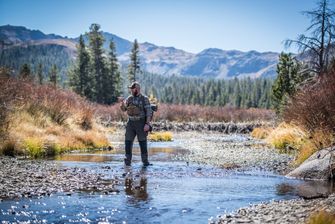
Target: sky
{"type": "Point", "coordinates": [191, 25]}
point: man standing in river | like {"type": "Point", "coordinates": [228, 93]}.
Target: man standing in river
{"type": "Point", "coordinates": [139, 116]}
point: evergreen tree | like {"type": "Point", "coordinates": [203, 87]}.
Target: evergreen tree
{"type": "Point", "coordinates": [113, 82]}
{"type": "Point", "coordinates": [25, 72]}
{"type": "Point", "coordinates": [97, 65]}
{"type": "Point", "coordinates": [134, 66]}
{"type": "Point", "coordinates": [80, 78]}
{"type": "Point", "coordinates": [53, 75]}
{"type": "Point", "coordinates": [286, 81]}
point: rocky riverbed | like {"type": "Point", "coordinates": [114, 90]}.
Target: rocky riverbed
{"type": "Point", "coordinates": [233, 151]}
{"type": "Point", "coordinates": [283, 212]}
{"type": "Point", "coordinates": [28, 178]}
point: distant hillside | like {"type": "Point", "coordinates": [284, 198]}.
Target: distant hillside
{"type": "Point", "coordinates": [20, 45]}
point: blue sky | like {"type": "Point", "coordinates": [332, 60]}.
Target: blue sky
{"type": "Point", "coordinates": [191, 25]}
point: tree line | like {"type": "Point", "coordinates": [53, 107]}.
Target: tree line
{"type": "Point", "coordinates": [239, 93]}
{"type": "Point", "coordinates": [39, 58]}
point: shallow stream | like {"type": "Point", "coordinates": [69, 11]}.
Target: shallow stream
{"type": "Point", "coordinates": [170, 191]}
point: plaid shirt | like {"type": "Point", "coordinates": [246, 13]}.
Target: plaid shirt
{"type": "Point", "coordinates": [142, 102]}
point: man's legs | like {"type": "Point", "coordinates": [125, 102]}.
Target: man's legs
{"type": "Point", "coordinates": [129, 139]}
{"type": "Point", "coordinates": [142, 140]}
{"type": "Point", "coordinates": [128, 155]}
{"type": "Point", "coordinates": [144, 152]}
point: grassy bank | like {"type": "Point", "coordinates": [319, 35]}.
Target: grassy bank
{"type": "Point", "coordinates": [308, 119]}
{"type": "Point", "coordinates": [40, 120]}
{"type": "Point", "coordinates": [290, 138]}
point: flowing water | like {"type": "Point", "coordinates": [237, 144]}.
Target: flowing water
{"type": "Point", "coordinates": [170, 191]}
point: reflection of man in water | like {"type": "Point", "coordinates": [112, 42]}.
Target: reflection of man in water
{"type": "Point", "coordinates": [139, 192]}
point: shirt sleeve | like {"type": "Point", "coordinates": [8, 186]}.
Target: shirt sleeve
{"type": "Point", "coordinates": [147, 107]}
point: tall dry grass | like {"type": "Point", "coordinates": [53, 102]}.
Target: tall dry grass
{"type": "Point", "coordinates": [321, 217]}
{"type": "Point", "coordinates": [42, 120]}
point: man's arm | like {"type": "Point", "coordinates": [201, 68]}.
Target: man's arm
{"type": "Point", "coordinates": [124, 104]}
{"type": "Point", "coordinates": [147, 109]}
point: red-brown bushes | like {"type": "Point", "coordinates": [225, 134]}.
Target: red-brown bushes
{"type": "Point", "coordinates": [313, 107]}
{"type": "Point", "coordinates": [185, 113]}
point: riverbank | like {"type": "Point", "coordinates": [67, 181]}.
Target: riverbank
{"type": "Point", "coordinates": [284, 212]}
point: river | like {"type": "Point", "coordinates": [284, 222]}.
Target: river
{"type": "Point", "coordinates": [170, 191]}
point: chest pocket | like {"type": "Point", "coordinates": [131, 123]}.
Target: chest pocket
{"type": "Point", "coordinates": [135, 107]}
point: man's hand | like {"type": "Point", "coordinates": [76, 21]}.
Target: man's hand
{"type": "Point", "coordinates": [123, 105]}
{"type": "Point", "coordinates": [146, 127]}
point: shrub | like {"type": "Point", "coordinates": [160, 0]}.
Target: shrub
{"type": "Point", "coordinates": [313, 107]}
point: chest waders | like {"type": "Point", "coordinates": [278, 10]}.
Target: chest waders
{"type": "Point", "coordinates": [135, 126]}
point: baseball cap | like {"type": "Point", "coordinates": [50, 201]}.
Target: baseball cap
{"type": "Point", "coordinates": [133, 85]}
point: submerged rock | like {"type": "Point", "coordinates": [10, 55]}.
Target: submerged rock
{"type": "Point", "coordinates": [320, 166]}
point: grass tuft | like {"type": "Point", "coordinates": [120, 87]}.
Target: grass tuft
{"type": "Point", "coordinates": [8, 148]}
{"type": "Point", "coordinates": [34, 147]}
{"type": "Point", "coordinates": [160, 136]}
{"type": "Point", "coordinates": [322, 217]}
{"type": "Point", "coordinates": [286, 137]}
{"type": "Point", "coordinates": [261, 132]}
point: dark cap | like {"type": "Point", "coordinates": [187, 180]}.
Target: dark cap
{"type": "Point", "coordinates": [133, 85]}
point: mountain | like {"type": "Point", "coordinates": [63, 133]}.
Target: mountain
{"type": "Point", "coordinates": [209, 63]}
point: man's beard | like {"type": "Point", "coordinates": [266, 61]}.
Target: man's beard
{"type": "Point", "coordinates": [135, 93]}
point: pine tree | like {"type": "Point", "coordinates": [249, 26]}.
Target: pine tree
{"type": "Point", "coordinates": [25, 72]}
{"type": "Point", "coordinates": [97, 65]}
{"type": "Point", "coordinates": [113, 82]}
{"type": "Point", "coordinates": [134, 66]}
{"type": "Point", "coordinates": [81, 80]}
{"type": "Point", "coordinates": [53, 75]}
{"type": "Point", "coordinates": [286, 81]}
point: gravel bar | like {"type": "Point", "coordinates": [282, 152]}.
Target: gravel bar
{"type": "Point", "coordinates": [27, 178]}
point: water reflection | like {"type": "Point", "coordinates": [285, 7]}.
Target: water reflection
{"type": "Point", "coordinates": [84, 158]}
{"type": "Point", "coordinates": [136, 185]}
{"type": "Point", "coordinates": [162, 154]}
